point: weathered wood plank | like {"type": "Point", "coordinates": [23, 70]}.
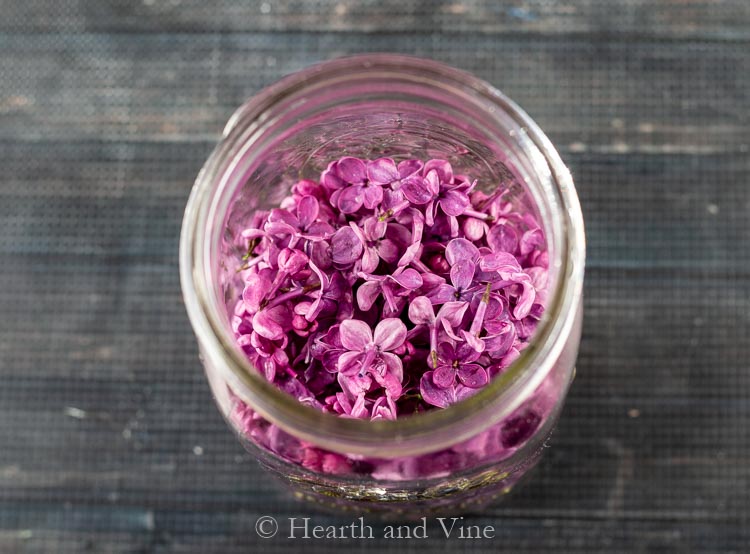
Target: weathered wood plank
{"type": "Point", "coordinates": [695, 19]}
{"type": "Point", "coordinates": [652, 98]}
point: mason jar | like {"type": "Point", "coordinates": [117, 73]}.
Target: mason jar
{"type": "Point", "coordinates": [402, 107]}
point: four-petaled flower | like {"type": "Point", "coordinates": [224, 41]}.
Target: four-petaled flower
{"type": "Point", "coordinates": [371, 352]}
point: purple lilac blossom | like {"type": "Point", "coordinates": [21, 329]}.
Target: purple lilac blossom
{"type": "Point", "coordinates": [385, 289]}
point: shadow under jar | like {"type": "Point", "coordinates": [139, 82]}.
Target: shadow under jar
{"type": "Point", "coordinates": [451, 459]}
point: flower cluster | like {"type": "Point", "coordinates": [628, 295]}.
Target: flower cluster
{"type": "Point", "coordinates": [385, 289]}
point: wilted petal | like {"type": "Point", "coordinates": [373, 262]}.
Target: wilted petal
{"type": "Point", "coordinates": [350, 199]}
{"type": "Point", "coordinates": [382, 170]}
{"type": "Point", "coordinates": [472, 375]}
{"type": "Point", "coordinates": [462, 274]}
{"type": "Point", "coordinates": [421, 312]}
{"type": "Point", "coordinates": [389, 334]}
{"type": "Point", "coordinates": [454, 203]}
{"type": "Point", "coordinates": [346, 247]}
{"type": "Point", "coordinates": [351, 170]}
{"type": "Point", "coordinates": [461, 250]}
{"type": "Point", "coordinates": [355, 334]}
{"type": "Point", "coordinates": [502, 238]}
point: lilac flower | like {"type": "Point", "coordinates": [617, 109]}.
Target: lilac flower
{"type": "Point", "coordinates": [365, 183]}
{"type": "Point", "coordinates": [462, 256]}
{"type": "Point", "coordinates": [303, 224]}
{"type": "Point", "coordinates": [392, 287]}
{"type": "Point", "coordinates": [458, 363]}
{"type": "Point", "coordinates": [365, 348]}
{"type": "Point", "coordinates": [442, 397]}
{"type": "Point", "coordinates": [379, 241]}
{"type": "Point", "coordinates": [436, 189]}
{"type": "Point", "coordinates": [472, 290]}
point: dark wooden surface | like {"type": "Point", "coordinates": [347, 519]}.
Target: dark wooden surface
{"type": "Point", "coordinates": [109, 441]}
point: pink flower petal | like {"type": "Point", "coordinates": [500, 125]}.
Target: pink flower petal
{"type": "Point", "coordinates": [442, 168]}
{"type": "Point", "coordinates": [421, 312]}
{"type": "Point", "coordinates": [526, 300]}
{"type": "Point", "coordinates": [462, 274]}
{"type": "Point", "coordinates": [356, 335]}
{"type": "Point", "coordinates": [503, 238]}
{"type": "Point", "coordinates": [453, 312]}
{"type": "Point", "coordinates": [307, 211]}
{"type": "Point", "coordinates": [351, 170]}
{"type": "Point", "coordinates": [444, 376]}
{"type": "Point", "coordinates": [350, 199]}
{"type": "Point", "coordinates": [372, 196]}
{"type": "Point", "coordinates": [256, 287]}
{"type": "Point", "coordinates": [349, 363]}
{"type": "Point", "coordinates": [531, 240]}
{"type": "Point", "coordinates": [374, 228]}
{"type": "Point", "coordinates": [442, 294]}
{"type": "Point", "coordinates": [367, 294]}
{"type": "Point", "coordinates": [389, 334]}
{"type": "Point", "coordinates": [271, 323]}
{"type": "Point", "coordinates": [499, 261]}
{"type": "Point", "coordinates": [472, 375]}
{"type": "Point", "coordinates": [388, 250]}
{"type": "Point", "coordinates": [461, 251]}
{"type": "Point", "coordinates": [434, 395]}
{"type": "Point", "coordinates": [383, 171]}
{"type": "Point", "coordinates": [409, 279]}
{"type": "Point", "coordinates": [416, 191]}
{"type": "Point", "coordinates": [409, 167]}
{"type": "Point", "coordinates": [346, 247]}
{"type": "Point", "coordinates": [454, 203]}
{"type": "Point", "coordinates": [394, 366]}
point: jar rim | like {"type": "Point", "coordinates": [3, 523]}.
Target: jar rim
{"type": "Point", "coordinates": [418, 433]}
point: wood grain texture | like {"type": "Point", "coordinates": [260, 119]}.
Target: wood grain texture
{"type": "Point", "coordinates": [107, 111]}
{"type": "Point", "coordinates": [670, 19]}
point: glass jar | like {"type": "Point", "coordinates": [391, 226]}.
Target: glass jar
{"type": "Point", "coordinates": [371, 106]}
